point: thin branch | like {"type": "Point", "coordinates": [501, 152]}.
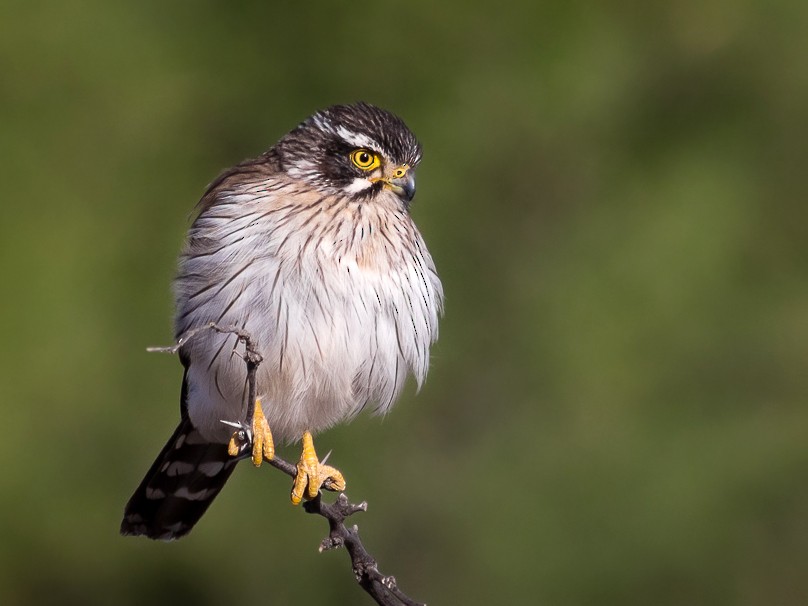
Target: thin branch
{"type": "Point", "coordinates": [382, 588]}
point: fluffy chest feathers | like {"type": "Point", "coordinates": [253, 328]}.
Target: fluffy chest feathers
{"type": "Point", "coordinates": [341, 296]}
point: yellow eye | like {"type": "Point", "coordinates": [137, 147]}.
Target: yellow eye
{"type": "Point", "coordinates": [364, 159]}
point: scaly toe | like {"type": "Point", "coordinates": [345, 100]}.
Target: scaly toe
{"type": "Point", "coordinates": [332, 478]}
{"type": "Point", "coordinates": [259, 438]}
{"type": "Point", "coordinates": [263, 445]}
{"type": "Point", "coordinates": [312, 475]}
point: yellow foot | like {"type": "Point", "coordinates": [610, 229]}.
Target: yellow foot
{"type": "Point", "coordinates": [262, 445]}
{"type": "Point", "coordinates": [311, 474]}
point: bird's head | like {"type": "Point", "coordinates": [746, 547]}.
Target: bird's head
{"type": "Point", "coordinates": [358, 151]}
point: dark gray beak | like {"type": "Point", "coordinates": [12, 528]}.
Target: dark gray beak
{"type": "Point", "coordinates": [404, 187]}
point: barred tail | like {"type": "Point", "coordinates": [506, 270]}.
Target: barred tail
{"type": "Point", "coordinates": [179, 487]}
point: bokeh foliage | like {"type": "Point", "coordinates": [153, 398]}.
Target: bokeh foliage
{"type": "Point", "coordinates": [615, 197]}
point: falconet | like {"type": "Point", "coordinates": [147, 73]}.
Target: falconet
{"type": "Point", "coordinates": [309, 248]}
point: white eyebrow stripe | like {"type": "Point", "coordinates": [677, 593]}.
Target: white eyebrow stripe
{"type": "Point", "coordinates": [359, 140]}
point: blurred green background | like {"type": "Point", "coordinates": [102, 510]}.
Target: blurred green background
{"type": "Point", "coordinates": [615, 199]}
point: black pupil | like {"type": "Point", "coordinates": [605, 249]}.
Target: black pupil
{"type": "Point", "coordinates": [364, 158]}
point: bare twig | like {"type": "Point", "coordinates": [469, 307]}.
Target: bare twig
{"type": "Point", "coordinates": [381, 588]}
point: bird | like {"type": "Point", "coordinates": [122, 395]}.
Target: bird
{"type": "Point", "coordinates": [311, 250]}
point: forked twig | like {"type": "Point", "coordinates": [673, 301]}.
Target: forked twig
{"type": "Point", "coordinates": [383, 589]}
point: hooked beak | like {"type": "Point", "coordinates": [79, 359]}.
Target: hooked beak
{"type": "Point", "coordinates": [403, 186]}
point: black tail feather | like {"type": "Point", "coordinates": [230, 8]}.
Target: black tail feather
{"type": "Point", "coordinates": [179, 486]}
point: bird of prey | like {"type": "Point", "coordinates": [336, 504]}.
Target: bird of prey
{"type": "Point", "coordinates": [309, 248]}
